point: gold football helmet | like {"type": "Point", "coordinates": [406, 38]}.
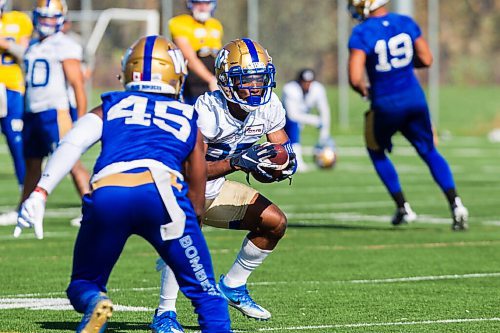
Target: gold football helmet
{"type": "Point", "coordinates": [154, 64]}
{"type": "Point", "coordinates": [360, 9]}
{"type": "Point", "coordinates": [325, 155]}
{"type": "Point", "coordinates": [48, 16]}
{"type": "Point", "coordinates": [243, 67]}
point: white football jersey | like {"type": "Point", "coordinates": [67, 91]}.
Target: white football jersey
{"type": "Point", "coordinates": [298, 105]}
{"type": "Point", "coordinates": [45, 81]}
{"type": "Point", "coordinates": [226, 136]}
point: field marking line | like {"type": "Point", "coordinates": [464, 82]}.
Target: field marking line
{"type": "Point", "coordinates": [269, 283]}
{"type": "Point", "coordinates": [397, 323]}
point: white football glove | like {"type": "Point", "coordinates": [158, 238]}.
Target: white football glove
{"type": "Point", "coordinates": [31, 215]}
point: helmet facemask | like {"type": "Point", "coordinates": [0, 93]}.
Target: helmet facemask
{"type": "Point", "coordinates": [245, 74]}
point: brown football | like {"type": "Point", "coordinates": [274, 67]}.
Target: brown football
{"type": "Point", "coordinates": [281, 158]}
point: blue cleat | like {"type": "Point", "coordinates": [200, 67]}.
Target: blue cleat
{"type": "Point", "coordinates": [166, 323]}
{"type": "Point", "coordinates": [239, 299]}
{"type": "Point", "coordinates": [96, 317]}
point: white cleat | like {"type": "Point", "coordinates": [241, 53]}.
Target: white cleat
{"type": "Point", "coordinates": [460, 216]}
{"type": "Point", "coordinates": [9, 218]}
{"type": "Point", "coordinates": [76, 222]}
{"type": "Point", "coordinates": [404, 215]}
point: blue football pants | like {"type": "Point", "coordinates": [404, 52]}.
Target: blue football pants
{"type": "Point", "coordinates": [111, 215]}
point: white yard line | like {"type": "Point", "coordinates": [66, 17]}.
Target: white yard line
{"type": "Point", "coordinates": [270, 283]}
{"type": "Point", "coordinates": [354, 325]}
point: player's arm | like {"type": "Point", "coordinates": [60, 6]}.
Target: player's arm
{"type": "Point", "coordinates": [13, 48]}
{"type": "Point", "coordinates": [86, 132]}
{"type": "Point", "coordinates": [324, 113]}
{"type": "Point", "coordinates": [195, 65]}
{"type": "Point", "coordinates": [252, 159]}
{"type": "Point", "coordinates": [357, 60]}
{"type": "Point", "coordinates": [196, 176]}
{"type": "Point", "coordinates": [423, 54]}
{"type": "Point", "coordinates": [73, 72]}
{"type": "Point", "coordinates": [293, 110]}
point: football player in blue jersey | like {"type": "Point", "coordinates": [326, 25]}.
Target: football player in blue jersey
{"type": "Point", "coordinates": [149, 180]}
{"type": "Point", "coordinates": [389, 46]}
{"type": "Point", "coordinates": [15, 32]}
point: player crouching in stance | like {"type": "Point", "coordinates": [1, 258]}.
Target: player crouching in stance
{"type": "Point", "coordinates": [232, 120]}
{"type": "Point", "coordinates": [389, 46]}
{"type": "Point", "coordinates": [138, 187]}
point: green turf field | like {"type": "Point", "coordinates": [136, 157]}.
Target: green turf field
{"type": "Point", "coordinates": [340, 268]}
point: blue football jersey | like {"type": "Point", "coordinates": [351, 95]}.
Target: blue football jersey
{"type": "Point", "coordinates": [140, 125]}
{"type": "Point", "coordinates": [388, 42]}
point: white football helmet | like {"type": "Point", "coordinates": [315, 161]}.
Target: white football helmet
{"type": "Point", "coordinates": [202, 16]}
{"type": "Point", "coordinates": [3, 3]}
{"type": "Point", "coordinates": [244, 65]}
{"type": "Point", "coordinates": [360, 9]}
{"type": "Point", "coordinates": [49, 9]}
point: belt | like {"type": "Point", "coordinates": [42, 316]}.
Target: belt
{"type": "Point", "coordinates": [131, 180]}
{"type": "Point", "coordinates": [124, 179]}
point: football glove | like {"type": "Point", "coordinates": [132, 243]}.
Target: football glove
{"type": "Point", "coordinates": [254, 159]}
{"type": "Point", "coordinates": [290, 169]}
{"type": "Point", "coordinates": [31, 215]}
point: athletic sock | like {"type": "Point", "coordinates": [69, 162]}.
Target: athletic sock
{"type": "Point", "coordinates": [169, 289]}
{"type": "Point", "coordinates": [249, 258]}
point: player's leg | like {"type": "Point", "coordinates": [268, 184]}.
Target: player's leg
{"type": "Point", "coordinates": [190, 262]}
{"type": "Point", "coordinates": [379, 128]}
{"type": "Point", "coordinates": [241, 207]}
{"type": "Point", "coordinates": [106, 226]}
{"type": "Point", "coordinates": [292, 129]}
{"type": "Point", "coordinates": [420, 134]}
{"type": "Point", "coordinates": [35, 148]}
{"type": "Point", "coordinates": [11, 126]}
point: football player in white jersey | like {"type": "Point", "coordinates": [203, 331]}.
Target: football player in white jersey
{"type": "Point", "coordinates": [52, 62]}
{"type": "Point", "coordinates": [232, 121]}
{"type": "Point", "coordinates": [300, 96]}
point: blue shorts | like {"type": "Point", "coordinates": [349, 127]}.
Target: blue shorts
{"type": "Point", "coordinates": [292, 129]}
{"type": "Point", "coordinates": [12, 123]}
{"type": "Point", "coordinates": [407, 113]}
{"type": "Point", "coordinates": [43, 131]}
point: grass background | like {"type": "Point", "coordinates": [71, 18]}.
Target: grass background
{"type": "Point", "coordinates": [340, 268]}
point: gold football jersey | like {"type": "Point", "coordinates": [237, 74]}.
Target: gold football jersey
{"type": "Point", "coordinates": [14, 26]}
{"type": "Point", "coordinates": [204, 38]}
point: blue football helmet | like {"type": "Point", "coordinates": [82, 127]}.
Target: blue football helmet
{"type": "Point", "coordinates": [199, 15]}
{"type": "Point", "coordinates": [243, 64]}
{"type": "Point", "coordinates": [49, 9]}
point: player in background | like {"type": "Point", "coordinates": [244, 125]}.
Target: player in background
{"type": "Point", "coordinates": [199, 36]}
{"type": "Point", "coordinates": [232, 121]}
{"type": "Point", "coordinates": [15, 33]}
{"type": "Point", "coordinates": [149, 180]}
{"type": "Point", "coordinates": [73, 107]}
{"type": "Point", "coordinates": [389, 46]}
{"type": "Point", "coordinates": [300, 96]}
{"type": "Point", "coordinates": [52, 62]}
